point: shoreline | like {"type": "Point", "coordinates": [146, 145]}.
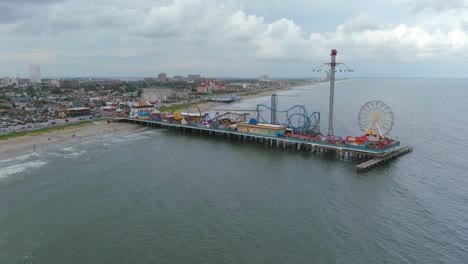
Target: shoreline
{"type": "Point", "coordinates": [30, 143]}
{"type": "Point", "coordinates": [207, 106]}
{"type": "Point", "coordinates": [26, 144]}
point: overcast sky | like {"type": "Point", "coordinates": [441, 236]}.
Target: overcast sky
{"type": "Point", "coordinates": [227, 38]}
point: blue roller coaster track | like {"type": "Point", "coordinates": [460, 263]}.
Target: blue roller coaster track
{"type": "Point", "coordinates": [295, 118]}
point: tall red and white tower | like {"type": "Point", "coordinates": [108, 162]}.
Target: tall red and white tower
{"type": "Point", "coordinates": [331, 76]}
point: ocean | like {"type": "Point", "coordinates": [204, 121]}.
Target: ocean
{"type": "Point", "coordinates": [160, 196]}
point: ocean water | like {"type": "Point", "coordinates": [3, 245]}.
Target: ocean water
{"type": "Point", "coordinates": [159, 196]}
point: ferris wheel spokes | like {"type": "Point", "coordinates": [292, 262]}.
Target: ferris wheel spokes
{"type": "Point", "coordinates": [376, 118]}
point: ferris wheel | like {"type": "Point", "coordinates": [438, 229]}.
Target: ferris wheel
{"type": "Point", "coordinates": [376, 116]}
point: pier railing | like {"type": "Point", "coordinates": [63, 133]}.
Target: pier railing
{"type": "Point", "coordinates": [372, 156]}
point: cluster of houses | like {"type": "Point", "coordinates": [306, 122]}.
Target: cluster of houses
{"type": "Point", "coordinates": [22, 102]}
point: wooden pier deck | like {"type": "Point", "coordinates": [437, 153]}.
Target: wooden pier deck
{"type": "Point", "coordinates": [385, 158]}
{"type": "Point", "coordinates": [377, 156]}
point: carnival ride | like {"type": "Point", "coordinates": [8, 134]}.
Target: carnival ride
{"type": "Point", "coordinates": [377, 117]}
{"type": "Point", "coordinates": [295, 117]}
{"type": "Point", "coordinates": [194, 116]}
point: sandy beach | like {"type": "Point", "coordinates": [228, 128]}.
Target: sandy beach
{"type": "Point", "coordinates": [30, 143]}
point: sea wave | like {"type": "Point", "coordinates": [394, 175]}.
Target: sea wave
{"type": "Point", "coordinates": [13, 169]}
{"type": "Point", "coordinates": [7, 160]}
{"type": "Point", "coordinates": [75, 154]}
{"type": "Point", "coordinates": [20, 158]}
{"type": "Point", "coordinates": [27, 156]}
{"type": "Point", "coordinates": [69, 149]}
{"type": "Point", "coordinates": [135, 138]}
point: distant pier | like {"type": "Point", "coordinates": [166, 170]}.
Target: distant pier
{"type": "Point", "coordinates": [372, 156]}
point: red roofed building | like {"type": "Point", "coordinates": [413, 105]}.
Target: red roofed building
{"type": "Point", "coordinates": [209, 86]}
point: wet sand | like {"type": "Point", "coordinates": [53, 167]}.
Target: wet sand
{"type": "Point", "coordinates": [21, 145]}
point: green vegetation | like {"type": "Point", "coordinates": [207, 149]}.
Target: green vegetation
{"type": "Point", "coordinates": [255, 93]}
{"type": "Point", "coordinates": [179, 107]}
{"type": "Point", "coordinates": [175, 85]}
{"type": "Point", "coordinates": [44, 130]}
{"type": "Point", "coordinates": [263, 91]}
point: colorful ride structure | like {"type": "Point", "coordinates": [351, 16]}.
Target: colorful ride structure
{"type": "Point", "coordinates": [375, 120]}
{"type": "Point", "coordinates": [295, 117]}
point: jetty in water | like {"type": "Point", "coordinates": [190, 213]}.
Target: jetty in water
{"type": "Point", "coordinates": [373, 157]}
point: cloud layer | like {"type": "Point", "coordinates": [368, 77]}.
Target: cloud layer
{"type": "Point", "coordinates": [218, 37]}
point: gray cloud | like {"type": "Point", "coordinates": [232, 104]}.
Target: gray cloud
{"type": "Point", "coordinates": [360, 23]}
{"type": "Point", "coordinates": [217, 35]}
{"type": "Point", "coordinates": [437, 6]}
{"type": "Point", "coordinates": [63, 19]}
{"type": "Point", "coordinates": [13, 11]}
{"type": "Point", "coordinates": [464, 26]}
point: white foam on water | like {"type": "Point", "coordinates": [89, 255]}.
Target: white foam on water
{"type": "Point", "coordinates": [7, 160]}
{"type": "Point", "coordinates": [133, 137]}
{"type": "Point", "coordinates": [21, 158]}
{"type": "Point", "coordinates": [75, 154]}
{"type": "Point", "coordinates": [54, 154]}
{"type": "Point", "coordinates": [13, 169]}
{"type": "Point", "coordinates": [69, 149]}
{"type": "Point", "coordinates": [27, 156]}
{"type": "Point", "coordinates": [129, 139]}
{"type": "Point", "coordinates": [146, 132]}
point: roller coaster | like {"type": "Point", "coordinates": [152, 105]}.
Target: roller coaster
{"type": "Point", "coordinates": [194, 115]}
{"type": "Point", "coordinates": [295, 118]}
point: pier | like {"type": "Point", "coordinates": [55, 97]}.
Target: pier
{"type": "Point", "coordinates": [373, 156]}
{"type": "Point", "coordinates": [385, 158]}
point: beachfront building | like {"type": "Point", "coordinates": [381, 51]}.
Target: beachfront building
{"type": "Point", "coordinates": [142, 110]}
{"type": "Point", "coordinates": [156, 94]}
{"type": "Point", "coordinates": [74, 111]}
{"type": "Point", "coordinates": [210, 86]}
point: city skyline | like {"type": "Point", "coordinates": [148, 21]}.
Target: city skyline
{"type": "Point", "coordinates": [220, 38]}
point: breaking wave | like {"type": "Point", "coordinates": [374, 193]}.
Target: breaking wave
{"type": "Point", "coordinates": [13, 169]}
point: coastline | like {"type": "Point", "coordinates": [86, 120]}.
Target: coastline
{"type": "Point", "coordinates": [31, 143]}
{"type": "Point", "coordinates": [204, 107]}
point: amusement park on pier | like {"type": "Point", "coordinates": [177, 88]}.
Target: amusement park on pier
{"type": "Point", "coordinates": [288, 128]}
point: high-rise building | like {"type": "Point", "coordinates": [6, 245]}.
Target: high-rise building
{"type": "Point", "coordinates": [35, 73]}
{"type": "Point", "coordinates": [263, 78]}
{"type": "Point", "coordinates": [162, 77]}
{"type": "Point", "coordinates": [193, 77]}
